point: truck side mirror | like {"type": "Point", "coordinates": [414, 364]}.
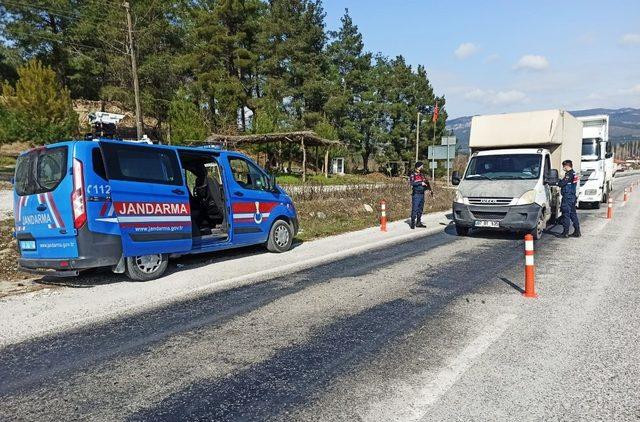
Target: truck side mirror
{"type": "Point", "coordinates": [608, 155]}
{"type": "Point", "coordinates": [552, 178]}
{"type": "Point", "coordinates": [455, 178]}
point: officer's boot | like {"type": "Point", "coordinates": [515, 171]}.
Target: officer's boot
{"type": "Point", "coordinates": [412, 224]}
{"type": "Point", "coordinates": [576, 233]}
{"type": "Point", "coordinates": [420, 224]}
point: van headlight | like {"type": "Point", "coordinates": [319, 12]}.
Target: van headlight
{"type": "Point", "coordinates": [529, 197]}
{"type": "Point", "coordinates": [459, 198]}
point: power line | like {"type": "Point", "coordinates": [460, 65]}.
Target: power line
{"type": "Point", "coordinates": [54, 11]}
{"type": "Point", "coordinates": [76, 44]}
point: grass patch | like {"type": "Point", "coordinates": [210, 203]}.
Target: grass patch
{"type": "Point", "coordinates": [319, 179]}
{"type": "Point", "coordinates": [9, 253]}
{"type": "Point", "coordinates": [7, 161]}
{"type": "Point", "coordinates": [326, 212]}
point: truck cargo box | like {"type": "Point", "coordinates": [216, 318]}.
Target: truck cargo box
{"type": "Point", "coordinates": [556, 130]}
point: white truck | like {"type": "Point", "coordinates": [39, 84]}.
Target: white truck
{"type": "Point", "coordinates": [509, 182]}
{"type": "Point", "coordinates": [596, 175]}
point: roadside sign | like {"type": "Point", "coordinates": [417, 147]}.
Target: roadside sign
{"type": "Point", "coordinates": [433, 164]}
{"type": "Point", "coordinates": [448, 140]}
{"type": "Point", "coordinates": [439, 152]}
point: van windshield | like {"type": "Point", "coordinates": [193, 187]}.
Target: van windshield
{"type": "Point", "coordinates": [40, 171]}
{"type": "Point", "coordinates": [504, 167]}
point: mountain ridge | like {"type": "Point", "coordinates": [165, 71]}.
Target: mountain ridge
{"type": "Point", "coordinates": [624, 124]}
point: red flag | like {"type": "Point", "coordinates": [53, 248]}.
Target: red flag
{"type": "Point", "coordinates": [435, 113]}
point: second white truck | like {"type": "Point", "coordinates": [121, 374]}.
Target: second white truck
{"type": "Point", "coordinates": [509, 182]}
{"type": "Point", "coordinates": [597, 168]}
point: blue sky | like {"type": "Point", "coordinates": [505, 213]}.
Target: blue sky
{"type": "Point", "coordinates": [490, 56]}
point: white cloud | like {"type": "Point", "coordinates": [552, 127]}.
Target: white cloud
{"type": "Point", "coordinates": [532, 62]}
{"type": "Point", "coordinates": [636, 89]}
{"type": "Point", "coordinates": [492, 58]}
{"type": "Point", "coordinates": [630, 39]}
{"type": "Point", "coordinates": [496, 98]}
{"type": "Point", "coordinates": [465, 50]}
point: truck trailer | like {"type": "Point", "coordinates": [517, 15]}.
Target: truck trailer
{"type": "Point", "coordinates": [596, 176]}
{"type": "Point", "coordinates": [510, 180]}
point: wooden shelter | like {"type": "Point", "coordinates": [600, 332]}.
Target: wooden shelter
{"type": "Point", "coordinates": [303, 138]}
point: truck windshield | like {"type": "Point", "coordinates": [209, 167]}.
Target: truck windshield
{"type": "Point", "coordinates": [591, 146]}
{"type": "Point", "coordinates": [504, 167]}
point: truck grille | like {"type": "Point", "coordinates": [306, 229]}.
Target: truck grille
{"type": "Point", "coordinates": [584, 176]}
{"type": "Point", "coordinates": [489, 201]}
{"type": "Point", "coordinates": [485, 215]}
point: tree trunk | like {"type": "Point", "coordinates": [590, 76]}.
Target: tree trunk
{"type": "Point", "coordinates": [365, 160]}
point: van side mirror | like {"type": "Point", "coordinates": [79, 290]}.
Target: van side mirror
{"type": "Point", "coordinates": [552, 177]}
{"type": "Point", "coordinates": [455, 178]}
{"type": "Point", "coordinates": [271, 183]}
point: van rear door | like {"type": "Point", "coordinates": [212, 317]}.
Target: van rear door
{"type": "Point", "coordinates": [150, 199]}
{"type": "Point", "coordinates": [42, 204]}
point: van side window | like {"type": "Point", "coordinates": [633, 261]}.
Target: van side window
{"type": "Point", "coordinates": [246, 174]}
{"type": "Point", "coordinates": [98, 163]}
{"type": "Point", "coordinates": [142, 164]}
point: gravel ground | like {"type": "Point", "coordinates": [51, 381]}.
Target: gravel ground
{"type": "Point", "coordinates": [6, 203]}
{"type": "Point", "coordinates": [428, 328]}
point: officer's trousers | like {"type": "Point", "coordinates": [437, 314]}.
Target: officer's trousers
{"type": "Point", "coordinates": [417, 207]}
{"type": "Point", "coordinates": [569, 215]}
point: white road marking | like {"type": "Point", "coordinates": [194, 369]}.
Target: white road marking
{"type": "Point", "coordinates": [448, 376]}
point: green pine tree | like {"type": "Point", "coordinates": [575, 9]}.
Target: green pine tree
{"type": "Point", "coordinates": [38, 109]}
{"type": "Point", "coordinates": [187, 122]}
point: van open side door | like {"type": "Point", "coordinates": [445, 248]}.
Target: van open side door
{"type": "Point", "coordinates": [150, 198]}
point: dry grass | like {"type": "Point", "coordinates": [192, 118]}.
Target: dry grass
{"type": "Point", "coordinates": [344, 211]}
{"type": "Point", "coordinates": [9, 253]}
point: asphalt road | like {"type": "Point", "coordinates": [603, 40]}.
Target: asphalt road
{"type": "Point", "coordinates": [433, 329]}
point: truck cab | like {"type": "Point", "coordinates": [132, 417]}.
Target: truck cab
{"type": "Point", "coordinates": [510, 180]}
{"type": "Point", "coordinates": [597, 166]}
{"type": "Point", "coordinates": [131, 206]}
{"type": "Point", "coordinates": [508, 189]}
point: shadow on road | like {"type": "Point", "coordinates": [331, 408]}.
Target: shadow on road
{"type": "Point", "coordinates": [101, 276]}
{"type": "Point", "coordinates": [512, 284]}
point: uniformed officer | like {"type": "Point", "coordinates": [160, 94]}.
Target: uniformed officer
{"type": "Point", "coordinates": [419, 184]}
{"type": "Point", "coordinates": [568, 186]}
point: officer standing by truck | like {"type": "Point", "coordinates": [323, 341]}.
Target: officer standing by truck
{"type": "Point", "coordinates": [568, 186]}
{"type": "Point", "coordinates": [419, 184]}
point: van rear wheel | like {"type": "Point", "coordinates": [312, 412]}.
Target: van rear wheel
{"type": "Point", "coordinates": [146, 267]}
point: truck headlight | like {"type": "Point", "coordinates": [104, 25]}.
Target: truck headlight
{"type": "Point", "coordinates": [529, 197]}
{"type": "Point", "coordinates": [459, 198]}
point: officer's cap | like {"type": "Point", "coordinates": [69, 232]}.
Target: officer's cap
{"type": "Point", "coordinates": [567, 163]}
{"type": "Point", "coordinates": [419, 164]}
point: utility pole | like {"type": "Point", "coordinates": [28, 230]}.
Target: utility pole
{"type": "Point", "coordinates": [134, 71]}
{"type": "Point", "coordinates": [417, 135]}
{"type": "Point", "coordinates": [433, 152]}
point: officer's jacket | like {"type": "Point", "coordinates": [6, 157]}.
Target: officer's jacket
{"type": "Point", "coordinates": [415, 180]}
{"type": "Point", "coordinates": [568, 186]}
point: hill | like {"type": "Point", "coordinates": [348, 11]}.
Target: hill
{"type": "Point", "coordinates": [624, 124]}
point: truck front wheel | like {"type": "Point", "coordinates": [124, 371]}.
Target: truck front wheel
{"type": "Point", "coordinates": [539, 229]}
{"type": "Point", "coordinates": [462, 231]}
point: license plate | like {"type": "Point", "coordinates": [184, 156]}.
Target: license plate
{"type": "Point", "coordinates": [28, 245]}
{"type": "Point", "coordinates": [485, 223]}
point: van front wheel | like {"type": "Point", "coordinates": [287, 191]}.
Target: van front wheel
{"type": "Point", "coordinates": [146, 267]}
{"type": "Point", "coordinates": [280, 237]}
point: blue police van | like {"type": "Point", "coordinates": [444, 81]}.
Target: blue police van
{"type": "Point", "coordinates": [130, 206]}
